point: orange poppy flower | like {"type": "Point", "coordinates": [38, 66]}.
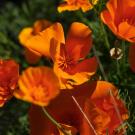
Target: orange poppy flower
{"type": "Point", "coordinates": [29, 32]}
{"type": "Point", "coordinates": [119, 17]}
{"type": "Point", "coordinates": [39, 43]}
{"type": "Point", "coordinates": [37, 85]}
{"type": "Point", "coordinates": [72, 5]}
{"type": "Point", "coordinates": [9, 74]}
{"type": "Point", "coordinates": [131, 57]}
{"type": "Point", "coordinates": [92, 98]}
{"type": "Point", "coordinates": [70, 64]}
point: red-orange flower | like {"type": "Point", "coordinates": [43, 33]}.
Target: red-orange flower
{"type": "Point", "coordinates": [9, 73]}
{"type": "Point", "coordinates": [119, 17]}
{"type": "Point", "coordinates": [95, 100]}
{"type": "Point", "coordinates": [72, 5]}
{"type": "Point", "coordinates": [38, 85]}
{"type": "Point", "coordinates": [132, 57]}
{"type": "Point", "coordinates": [29, 32]}
{"type": "Point", "coordinates": [70, 64]}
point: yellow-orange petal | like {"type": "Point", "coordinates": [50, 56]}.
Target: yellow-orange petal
{"type": "Point", "coordinates": [38, 85]}
{"type": "Point", "coordinates": [103, 89]}
{"type": "Point", "coordinates": [72, 5]}
{"type": "Point", "coordinates": [41, 42]}
{"type": "Point", "coordinates": [67, 7]}
{"type": "Point", "coordinates": [25, 35]}
{"type": "Point", "coordinates": [132, 57]}
{"type": "Point", "coordinates": [68, 81]}
{"type": "Point", "coordinates": [29, 32]}
{"type": "Point", "coordinates": [127, 31]}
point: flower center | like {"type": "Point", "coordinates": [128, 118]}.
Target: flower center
{"type": "Point", "coordinates": [65, 63]}
{"type": "Point", "coordinates": [40, 93]}
{"type": "Point", "coordinates": [130, 21]}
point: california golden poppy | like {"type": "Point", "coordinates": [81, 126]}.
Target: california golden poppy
{"type": "Point", "coordinates": [119, 17]}
{"type": "Point", "coordinates": [37, 85]}
{"type": "Point", "coordinates": [92, 99]}
{"type": "Point", "coordinates": [70, 64]}
{"type": "Point", "coordinates": [72, 5]}
{"type": "Point", "coordinates": [29, 32]}
{"type": "Point", "coordinates": [131, 57]}
{"type": "Point", "coordinates": [9, 74]}
{"type": "Point", "coordinates": [40, 43]}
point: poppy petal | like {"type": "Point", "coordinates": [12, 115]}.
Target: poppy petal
{"type": "Point", "coordinates": [103, 89]}
{"type": "Point", "coordinates": [127, 31]}
{"type": "Point", "coordinates": [98, 119]}
{"type": "Point", "coordinates": [107, 19]}
{"type": "Point", "coordinates": [41, 42]}
{"type": "Point", "coordinates": [40, 25]}
{"type": "Point", "coordinates": [87, 65]}
{"type": "Point", "coordinates": [25, 34]}
{"type": "Point", "coordinates": [79, 40]}
{"type": "Point", "coordinates": [65, 6]}
{"type": "Point", "coordinates": [39, 91]}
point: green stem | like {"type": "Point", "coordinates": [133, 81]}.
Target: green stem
{"type": "Point", "coordinates": [124, 57]}
{"type": "Point", "coordinates": [118, 67]}
{"type": "Point", "coordinates": [107, 132]}
{"type": "Point", "coordinates": [107, 44]}
{"type": "Point", "coordinates": [58, 125]}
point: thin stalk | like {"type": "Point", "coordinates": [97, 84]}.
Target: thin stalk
{"type": "Point", "coordinates": [117, 111]}
{"type": "Point", "coordinates": [124, 54]}
{"type": "Point", "coordinates": [107, 132]}
{"type": "Point", "coordinates": [83, 113]}
{"type": "Point", "coordinates": [107, 44]}
{"type": "Point", "coordinates": [100, 64]}
{"type": "Point", "coordinates": [85, 116]}
{"type": "Point", "coordinates": [118, 67]}
{"type": "Point", "coordinates": [111, 94]}
{"type": "Point", "coordinates": [58, 125]}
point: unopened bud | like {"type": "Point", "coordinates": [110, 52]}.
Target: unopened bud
{"type": "Point", "coordinates": [116, 53]}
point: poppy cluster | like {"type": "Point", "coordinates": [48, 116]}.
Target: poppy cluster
{"type": "Point", "coordinates": [58, 88]}
{"type": "Point", "coordinates": [95, 101]}
{"type": "Point", "coordinates": [66, 88]}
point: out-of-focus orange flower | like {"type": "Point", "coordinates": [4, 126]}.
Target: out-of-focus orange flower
{"type": "Point", "coordinates": [72, 5]}
{"type": "Point", "coordinates": [29, 32]}
{"type": "Point", "coordinates": [95, 100]}
{"type": "Point", "coordinates": [9, 74]}
{"type": "Point", "coordinates": [132, 57]}
{"type": "Point", "coordinates": [38, 85]}
{"type": "Point", "coordinates": [119, 17]}
{"type": "Point", "coordinates": [70, 64]}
